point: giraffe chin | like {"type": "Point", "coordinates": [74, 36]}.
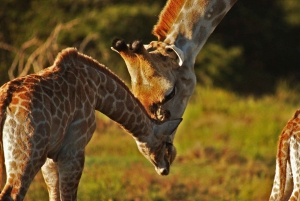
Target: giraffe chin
{"type": "Point", "coordinates": [162, 171]}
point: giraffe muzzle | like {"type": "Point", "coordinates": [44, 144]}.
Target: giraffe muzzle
{"type": "Point", "coordinates": [162, 171]}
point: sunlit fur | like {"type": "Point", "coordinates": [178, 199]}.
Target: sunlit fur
{"type": "Point", "coordinates": [166, 18]}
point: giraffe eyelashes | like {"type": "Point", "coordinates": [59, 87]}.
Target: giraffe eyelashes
{"type": "Point", "coordinates": [169, 144]}
{"type": "Point", "coordinates": [157, 109]}
{"type": "Point", "coordinates": [170, 95]}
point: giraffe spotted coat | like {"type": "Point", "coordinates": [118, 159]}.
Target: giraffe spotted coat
{"type": "Point", "coordinates": [47, 119]}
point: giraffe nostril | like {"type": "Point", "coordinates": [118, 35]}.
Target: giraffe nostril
{"type": "Point", "coordinates": [162, 171]}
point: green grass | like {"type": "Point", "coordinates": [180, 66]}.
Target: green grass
{"type": "Point", "coordinates": [226, 151]}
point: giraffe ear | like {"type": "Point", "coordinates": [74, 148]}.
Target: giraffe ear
{"type": "Point", "coordinates": [178, 52]}
{"type": "Point", "coordinates": [167, 128]}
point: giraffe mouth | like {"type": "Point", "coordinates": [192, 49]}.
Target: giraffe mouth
{"type": "Point", "coordinates": [164, 170]}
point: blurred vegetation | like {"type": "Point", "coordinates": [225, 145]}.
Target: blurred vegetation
{"type": "Point", "coordinates": [226, 148]}
{"type": "Point", "coordinates": [226, 143]}
{"type": "Point", "coordinates": [98, 22]}
{"type": "Point", "coordinates": [256, 45]}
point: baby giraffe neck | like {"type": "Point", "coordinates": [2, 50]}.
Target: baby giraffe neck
{"type": "Point", "coordinates": [119, 104]}
{"type": "Point", "coordinates": [110, 95]}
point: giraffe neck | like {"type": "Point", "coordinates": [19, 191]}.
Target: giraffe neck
{"type": "Point", "coordinates": [192, 24]}
{"type": "Point", "coordinates": [107, 93]}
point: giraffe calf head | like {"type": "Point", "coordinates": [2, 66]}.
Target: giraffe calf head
{"type": "Point", "coordinates": [158, 148]}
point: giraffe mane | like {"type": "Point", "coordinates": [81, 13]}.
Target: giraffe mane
{"type": "Point", "coordinates": [68, 55]}
{"type": "Point", "coordinates": [166, 18]}
{"type": "Point", "coordinates": [71, 54]}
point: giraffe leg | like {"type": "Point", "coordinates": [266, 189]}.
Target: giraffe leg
{"type": "Point", "coordinates": [294, 158]}
{"type": "Point", "coordinates": [51, 177]}
{"type": "Point", "coordinates": [24, 148]}
{"type": "Point", "coordinates": [289, 182]}
{"type": "Point", "coordinates": [21, 168]}
{"type": "Point", "coordinates": [70, 159]}
{"type": "Point", "coordinates": [70, 166]}
{"type": "Point", "coordinates": [276, 184]}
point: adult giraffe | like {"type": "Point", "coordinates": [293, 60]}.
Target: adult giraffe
{"type": "Point", "coordinates": [49, 117]}
{"type": "Point", "coordinates": [286, 185]}
{"type": "Point", "coordinates": [162, 72]}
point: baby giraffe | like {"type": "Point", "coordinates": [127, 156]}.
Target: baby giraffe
{"type": "Point", "coordinates": [287, 176]}
{"type": "Point", "coordinates": [47, 119]}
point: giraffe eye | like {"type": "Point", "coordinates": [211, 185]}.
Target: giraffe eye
{"type": "Point", "coordinates": [171, 53]}
{"type": "Point", "coordinates": [170, 95]}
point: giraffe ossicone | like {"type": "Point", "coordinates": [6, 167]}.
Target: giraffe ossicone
{"type": "Point", "coordinates": [47, 119]}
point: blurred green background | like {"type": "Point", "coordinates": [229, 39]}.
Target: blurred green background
{"type": "Point", "coordinates": [248, 74]}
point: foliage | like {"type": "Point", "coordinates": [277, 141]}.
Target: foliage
{"type": "Point", "coordinates": [226, 151]}
{"type": "Point", "coordinates": [99, 22]}
{"type": "Point", "coordinates": [268, 34]}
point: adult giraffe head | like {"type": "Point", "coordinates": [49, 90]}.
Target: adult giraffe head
{"type": "Point", "coordinates": [162, 72]}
